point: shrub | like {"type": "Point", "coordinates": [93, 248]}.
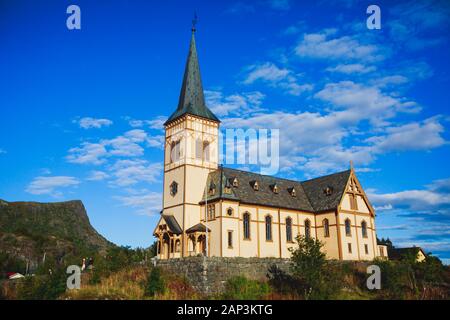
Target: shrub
{"type": "Point", "coordinates": [241, 288]}
{"type": "Point", "coordinates": [317, 277]}
{"type": "Point", "coordinates": [155, 283]}
{"type": "Point", "coordinates": [42, 287]}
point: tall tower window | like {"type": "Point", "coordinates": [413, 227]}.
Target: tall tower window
{"type": "Point", "coordinates": [364, 229]}
{"type": "Point", "coordinates": [348, 227]}
{"type": "Point", "coordinates": [326, 228]}
{"type": "Point", "coordinates": [246, 221]}
{"type": "Point", "coordinates": [206, 150]}
{"type": "Point", "coordinates": [230, 239]}
{"type": "Point", "coordinates": [198, 148]}
{"type": "Point", "coordinates": [268, 228]}
{"type": "Point", "coordinates": [211, 211]}
{"type": "Point", "coordinates": [307, 229]}
{"type": "Point", "coordinates": [175, 151]}
{"type": "Point", "coordinates": [289, 229]}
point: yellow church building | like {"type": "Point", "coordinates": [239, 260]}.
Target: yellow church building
{"type": "Point", "coordinates": [216, 211]}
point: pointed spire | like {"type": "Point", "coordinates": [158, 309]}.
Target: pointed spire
{"type": "Point", "coordinates": [192, 100]}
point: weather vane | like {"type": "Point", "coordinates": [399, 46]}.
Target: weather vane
{"type": "Point", "coordinates": [194, 22]}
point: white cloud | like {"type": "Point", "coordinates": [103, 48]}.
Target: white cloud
{"type": "Point", "coordinates": [318, 143]}
{"type": "Point", "coordinates": [233, 104]}
{"type": "Point", "coordinates": [431, 199]}
{"type": "Point", "coordinates": [423, 135]}
{"type": "Point", "coordinates": [146, 202]}
{"type": "Point", "coordinates": [392, 227]}
{"type": "Point", "coordinates": [87, 153]}
{"type": "Point", "coordinates": [390, 80]}
{"type": "Point", "coordinates": [97, 176]}
{"type": "Point", "coordinates": [355, 68]}
{"type": "Point", "coordinates": [276, 77]}
{"type": "Point", "coordinates": [49, 185]}
{"type": "Point", "coordinates": [320, 46]}
{"type": "Point", "coordinates": [126, 145]}
{"type": "Point", "coordinates": [157, 123]}
{"type": "Point", "coordinates": [156, 141]}
{"type": "Point", "coordinates": [363, 102]}
{"type": "Point", "coordinates": [88, 123]}
{"type": "Point", "coordinates": [130, 172]}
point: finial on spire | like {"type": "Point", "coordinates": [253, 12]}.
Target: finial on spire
{"type": "Point", "coordinates": [351, 164]}
{"type": "Point", "coordinates": [194, 22]}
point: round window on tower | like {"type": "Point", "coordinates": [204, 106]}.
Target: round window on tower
{"type": "Point", "coordinates": [173, 188]}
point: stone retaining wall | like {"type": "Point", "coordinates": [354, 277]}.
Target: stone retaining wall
{"type": "Point", "coordinates": [208, 275]}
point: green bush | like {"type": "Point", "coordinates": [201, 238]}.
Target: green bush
{"type": "Point", "coordinates": [241, 288]}
{"type": "Point", "coordinates": [317, 277]}
{"type": "Point", "coordinates": [407, 278]}
{"type": "Point", "coordinates": [9, 263]}
{"type": "Point", "coordinates": [155, 283]}
{"type": "Point", "coordinates": [42, 287]}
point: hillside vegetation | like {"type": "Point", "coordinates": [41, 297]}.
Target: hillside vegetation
{"type": "Point", "coordinates": [30, 230]}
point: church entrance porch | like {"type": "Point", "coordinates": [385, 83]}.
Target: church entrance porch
{"type": "Point", "coordinates": [197, 240]}
{"type": "Point", "coordinates": [168, 246]}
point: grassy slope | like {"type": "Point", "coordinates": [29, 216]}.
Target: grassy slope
{"type": "Point", "coordinates": [28, 229]}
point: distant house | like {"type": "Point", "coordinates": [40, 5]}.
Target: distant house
{"type": "Point", "coordinates": [402, 253]}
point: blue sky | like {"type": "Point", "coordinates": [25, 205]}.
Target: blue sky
{"type": "Point", "coordinates": [82, 110]}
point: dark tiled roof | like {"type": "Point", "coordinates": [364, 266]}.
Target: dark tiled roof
{"type": "Point", "coordinates": [310, 195]}
{"type": "Point", "coordinates": [192, 100]}
{"type": "Point", "coordinates": [172, 224]}
{"type": "Point", "coordinates": [199, 227]}
{"type": "Point", "coordinates": [315, 190]}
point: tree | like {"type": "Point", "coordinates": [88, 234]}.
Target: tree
{"type": "Point", "coordinates": [155, 283]}
{"type": "Point", "coordinates": [318, 278]}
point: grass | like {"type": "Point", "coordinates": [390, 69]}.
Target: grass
{"type": "Point", "coordinates": [129, 284]}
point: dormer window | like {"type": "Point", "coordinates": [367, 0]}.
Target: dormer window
{"type": "Point", "coordinates": [254, 185]}
{"type": "Point", "coordinates": [292, 192]}
{"type": "Point", "coordinates": [212, 189]}
{"type": "Point", "coordinates": [228, 186]}
{"type": "Point", "coordinates": [274, 188]}
{"type": "Point", "coordinates": [235, 182]}
{"type": "Point", "coordinates": [328, 191]}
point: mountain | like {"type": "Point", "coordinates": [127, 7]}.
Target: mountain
{"type": "Point", "coordinates": [28, 230]}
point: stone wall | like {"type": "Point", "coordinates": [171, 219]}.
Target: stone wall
{"type": "Point", "coordinates": [209, 274]}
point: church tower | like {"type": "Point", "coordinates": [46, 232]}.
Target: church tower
{"type": "Point", "coordinates": [191, 151]}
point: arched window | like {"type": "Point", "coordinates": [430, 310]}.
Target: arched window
{"type": "Point", "coordinates": [206, 147]}
{"type": "Point", "coordinates": [230, 212]}
{"type": "Point", "coordinates": [175, 151]}
{"type": "Point", "coordinates": [268, 228]}
{"type": "Point", "coordinates": [288, 229]}
{"type": "Point", "coordinates": [326, 228]}
{"type": "Point", "coordinates": [348, 227]}
{"type": "Point", "coordinates": [307, 229]}
{"type": "Point", "coordinates": [198, 148]}
{"type": "Point", "coordinates": [364, 229]}
{"type": "Point", "coordinates": [246, 225]}
{"type": "Point", "coordinates": [177, 246]}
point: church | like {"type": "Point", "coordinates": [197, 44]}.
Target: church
{"type": "Point", "coordinates": [217, 211]}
